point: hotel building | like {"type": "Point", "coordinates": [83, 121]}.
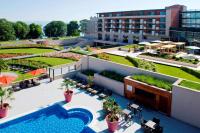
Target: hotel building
{"type": "Point", "coordinates": [139, 25]}
{"type": "Point", "coordinates": [189, 29]}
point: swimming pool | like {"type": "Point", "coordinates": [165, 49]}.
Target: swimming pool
{"type": "Point", "coordinates": [53, 119]}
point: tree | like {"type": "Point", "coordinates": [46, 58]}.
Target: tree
{"type": "Point", "coordinates": [83, 25]}
{"type": "Point", "coordinates": [21, 30]}
{"type": "Point", "coordinates": [3, 65]}
{"type": "Point", "coordinates": [35, 31]}
{"type": "Point", "coordinates": [55, 29]}
{"type": "Point", "coordinates": [7, 31]}
{"type": "Point", "coordinates": [73, 29]}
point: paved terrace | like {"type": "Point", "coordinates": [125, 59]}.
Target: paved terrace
{"type": "Point", "coordinates": [48, 93]}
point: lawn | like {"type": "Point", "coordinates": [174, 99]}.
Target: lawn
{"type": "Point", "coordinates": [163, 69]}
{"type": "Point", "coordinates": [191, 85]}
{"type": "Point", "coordinates": [52, 61]}
{"type": "Point", "coordinates": [26, 50]}
{"type": "Point", "coordinates": [119, 59]}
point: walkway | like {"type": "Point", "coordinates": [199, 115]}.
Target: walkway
{"type": "Point", "coordinates": [48, 93]}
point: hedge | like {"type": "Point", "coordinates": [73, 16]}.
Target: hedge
{"type": "Point", "coordinates": [113, 75]}
{"type": "Point", "coordinates": [191, 71]}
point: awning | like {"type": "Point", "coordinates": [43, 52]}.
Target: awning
{"type": "Point", "coordinates": [192, 47]}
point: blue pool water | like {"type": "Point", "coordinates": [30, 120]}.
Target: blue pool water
{"type": "Point", "coordinates": [53, 119]}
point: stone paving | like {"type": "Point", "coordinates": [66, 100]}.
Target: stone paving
{"type": "Point", "coordinates": [49, 93]}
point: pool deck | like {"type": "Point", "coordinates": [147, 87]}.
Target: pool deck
{"type": "Point", "coordinates": [48, 93]}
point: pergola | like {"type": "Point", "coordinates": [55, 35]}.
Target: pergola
{"type": "Point", "coordinates": [167, 48]}
{"type": "Point", "coordinates": [180, 45]}
{"type": "Point", "coordinates": [153, 45]}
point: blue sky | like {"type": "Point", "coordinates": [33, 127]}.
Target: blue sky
{"type": "Point", "coordinates": [47, 10]}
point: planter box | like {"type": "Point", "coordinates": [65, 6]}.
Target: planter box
{"type": "Point", "coordinates": [159, 99]}
{"type": "Point", "coordinates": [113, 85]}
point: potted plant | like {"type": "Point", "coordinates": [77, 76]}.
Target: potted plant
{"type": "Point", "coordinates": [112, 109]}
{"type": "Point", "coordinates": [5, 94]}
{"type": "Point", "coordinates": [68, 92]}
{"type": "Point", "coordinates": [90, 81]}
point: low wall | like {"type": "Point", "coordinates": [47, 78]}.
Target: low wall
{"type": "Point", "coordinates": [113, 85]}
{"type": "Point", "coordinates": [186, 105]}
{"type": "Point", "coordinates": [101, 65]}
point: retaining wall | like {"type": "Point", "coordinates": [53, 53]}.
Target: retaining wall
{"type": "Point", "coordinates": [186, 105]}
{"type": "Point", "coordinates": [113, 85]}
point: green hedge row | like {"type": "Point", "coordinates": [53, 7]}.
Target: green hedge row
{"type": "Point", "coordinates": [142, 64]}
{"type": "Point", "coordinates": [113, 75]}
{"type": "Point", "coordinates": [27, 63]}
{"type": "Point", "coordinates": [190, 71]}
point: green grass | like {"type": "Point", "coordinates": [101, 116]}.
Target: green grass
{"type": "Point", "coordinates": [176, 72]}
{"type": "Point", "coordinates": [160, 68]}
{"type": "Point", "coordinates": [129, 46]}
{"type": "Point", "coordinates": [153, 81]}
{"type": "Point", "coordinates": [52, 61]}
{"type": "Point", "coordinates": [118, 59]}
{"type": "Point", "coordinates": [189, 84]}
{"type": "Point", "coordinates": [26, 50]}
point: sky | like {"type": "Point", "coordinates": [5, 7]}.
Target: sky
{"type": "Point", "coordinates": [66, 10]}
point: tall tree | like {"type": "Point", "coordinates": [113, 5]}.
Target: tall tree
{"type": "Point", "coordinates": [55, 29]}
{"type": "Point", "coordinates": [35, 31]}
{"type": "Point", "coordinates": [83, 25]}
{"type": "Point", "coordinates": [21, 30]}
{"type": "Point", "coordinates": [73, 29]}
{"type": "Point", "coordinates": [7, 31]}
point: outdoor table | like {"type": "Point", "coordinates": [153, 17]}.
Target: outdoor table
{"type": "Point", "coordinates": [126, 111]}
{"type": "Point", "coordinates": [134, 106]}
{"type": "Point", "coordinates": [150, 124]}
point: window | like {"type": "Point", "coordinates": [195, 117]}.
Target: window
{"type": "Point", "coordinates": [162, 20]}
{"type": "Point", "coordinates": [162, 13]}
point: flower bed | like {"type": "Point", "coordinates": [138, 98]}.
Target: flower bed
{"type": "Point", "coordinates": [69, 55]}
{"type": "Point", "coordinates": [153, 81]}
{"type": "Point", "coordinates": [12, 55]}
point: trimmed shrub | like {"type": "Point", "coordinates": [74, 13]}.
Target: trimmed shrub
{"type": "Point", "coordinates": [89, 72]}
{"type": "Point", "coordinates": [142, 63]}
{"type": "Point", "coordinates": [190, 71]}
{"type": "Point", "coordinates": [113, 75]}
{"type": "Point", "coordinates": [133, 61]}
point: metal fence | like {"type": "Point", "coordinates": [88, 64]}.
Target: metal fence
{"type": "Point", "coordinates": [61, 70]}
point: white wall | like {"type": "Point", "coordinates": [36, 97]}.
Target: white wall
{"type": "Point", "coordinates": [101, 65]}
{"type": "Point", "coordinates": [186, 105]}
{"type": "Point", "coordinates": [113, 85]}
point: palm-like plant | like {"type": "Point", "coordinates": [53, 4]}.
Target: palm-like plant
{"type": "Point", "coordinates": [5, 94]}
{"type": "Point", "coordinates": [90, 81]}
{"type": "Point", "coordinates": [112, 108]}
{"type": "Point", "coordinates": [66, 84]}
{"type": "Point", "coordinates": [3, 65]}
